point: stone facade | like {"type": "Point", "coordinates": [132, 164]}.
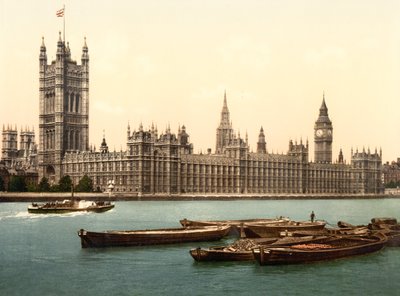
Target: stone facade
{"type": "Point", "coordinates": [164, 163]}
{"type": "Point", "coordinates": [391, 172]}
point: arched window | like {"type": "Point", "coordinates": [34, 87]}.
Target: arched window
{"type": "Point", "coordinates": [71, 103]}
{"type": "Point", "coordinates": [53, 139]}
{"type": "Point", "coordinates": [71, 139]}
{"type": "Point", "coordinates": [66, 103]}
{"type": "Point", "coordinates": [45, 103]}
{"type": "Point", "coordinates": [52, 103]}
{"type": "Point", "coordinates": [77, 140]}
{"type": "Point", "coordinates": [77, 103]}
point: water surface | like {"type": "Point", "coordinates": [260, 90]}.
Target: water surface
{"type": "Point", "coordinates": [41, 254]}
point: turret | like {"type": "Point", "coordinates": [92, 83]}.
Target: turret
{"type": "Point", "coordinates": [85, 55]}
{"type": "Point", "coordinates": [128, 131]}
{"type": "Point", "coordinates": [43, 55]}
{"type": "Point", "coordinates": [103, 146]}
{"type": "Point", "coordinates": [60, 48]}
{"type": "Point", "coordinates": [340, 156]}
{"type": "Point", "coordinates": [261, 144]}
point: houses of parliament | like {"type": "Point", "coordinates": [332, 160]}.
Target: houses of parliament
{"type": "Point", "coordinates": [156, 162]}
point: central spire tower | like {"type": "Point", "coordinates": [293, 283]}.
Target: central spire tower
{"type": "Point", "coordinates": [224, 130]}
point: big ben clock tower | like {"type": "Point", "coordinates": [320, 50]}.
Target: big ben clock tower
{"type": "Point", "coordinates": [323, 136]}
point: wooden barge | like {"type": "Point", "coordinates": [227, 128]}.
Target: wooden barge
{"type": "Point", "coordinates": [275, 229]}
{"type": "Point", "coordinates": [124, 238]}
{"type": "Point", "coordinates": [242, 249]}
{"type": "Point", "coordinates": [329, 249]}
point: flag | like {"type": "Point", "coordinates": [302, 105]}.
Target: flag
{"type": "Point", "coordinates": [60, 13]}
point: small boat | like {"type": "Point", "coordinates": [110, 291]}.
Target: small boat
{"type": "Point", "coordinates": [122, 238]}
{"type": "Point", "coordinates": [389, 227]}
{"type": "Point", "coordinates": [328, 249]}
{"type": "Point", "coordinates": [275, 229]}
{"type": "Point", "coordinates": [68, 206]}
{"type": "Point", "coordinates": [242, 249]}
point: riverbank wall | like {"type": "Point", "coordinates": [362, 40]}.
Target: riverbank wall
{"type": "Point", "coordinates": [53, 196]}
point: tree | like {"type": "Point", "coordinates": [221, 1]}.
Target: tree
{"type": "Point", "coordinates": [2, 187]}
{"type": "Point", "coordinates": [17, 184]}
{"type": "Point", "coordinates": [65, 184]}
{"type": "Point", "coordinates": [32, 187]}
{"type": "Point", "coordinates": [85, 185]}
{"type": "Point", "coordinates": [44, 185]}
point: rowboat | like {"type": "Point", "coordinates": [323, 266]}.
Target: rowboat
{"type": "Point", "coordinates": [387, 226]}
{"type": "Point", "coordinates": [68, 206]}
{"type": "Point", "coordinates": [115, 238]}
{"type": "Point", "coordinates": [275, 229]}
{"type": "Point", "coordinates": [329, 249]}
{"type": "Point", "coordinates": [242, 249]}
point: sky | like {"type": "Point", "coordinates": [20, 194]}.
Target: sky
{"type": "Point", "coordinates": [170, 62]}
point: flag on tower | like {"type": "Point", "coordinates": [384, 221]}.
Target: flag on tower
{"type": "Point", "coordinates": [60, 13]}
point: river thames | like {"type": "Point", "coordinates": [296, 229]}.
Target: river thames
{"type": "Point", "coordinates": [41, 254]}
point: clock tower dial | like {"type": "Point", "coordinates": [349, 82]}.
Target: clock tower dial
{"type": "Point", "coordinates": [323, 136]}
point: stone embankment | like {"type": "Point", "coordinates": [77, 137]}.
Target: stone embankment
{"type": "Point", "coordinates": [47, 196]}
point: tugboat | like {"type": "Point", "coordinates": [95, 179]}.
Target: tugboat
{"type": "Point", "coordinates": [68, 206]}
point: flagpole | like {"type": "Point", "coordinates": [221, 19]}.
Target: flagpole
{"type": "Point", "coordinates": [64, 21]}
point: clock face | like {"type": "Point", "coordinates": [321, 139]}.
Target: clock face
{"type": "Point", "coordinates": [329, 132]}
{"type": "Point", "coordinates": [319, 133]}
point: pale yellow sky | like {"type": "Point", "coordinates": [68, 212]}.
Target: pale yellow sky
{"type": "Point", "coordinates": [169, 62]}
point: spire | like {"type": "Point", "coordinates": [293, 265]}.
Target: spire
{"type": "Point", "coordinates": [261, 144]}
{"type": "Point", "coordinates": [85, 55]}
{"type": "Point", "coordinates": [43, 56]}
{"type": "Point", "coordinates": [225, 105]}
{"type": "Point", "coordinates": [225, 121]}
{"type": "Point", "coordinates": [340, 156]}
{"type": "Point", "coordinates": [43, 45]}
{"type": "Point", "coordinates": [323, 111]}
{"type": "Point", "coordinates": [60, 46]}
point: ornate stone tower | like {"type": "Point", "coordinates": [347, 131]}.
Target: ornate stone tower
{"type": "Point", "coordinates": [224, 131]}
{"type": "Point", "coordinates": [9, 150]}
{"type": "Point", "coordinates": [261, 144]}
{"type": "Point", "coordinates": [27, 140]}
{"type": "Point", "coordinates": [323, 136]}
{"type": "Point", "coordinates": [64, 108]}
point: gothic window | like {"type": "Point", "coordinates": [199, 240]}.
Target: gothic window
{"type": "Point", "coordinates": [71, 139]}
{"type": "Point", "coordinates": [77, 140]}
{"type": "Point", "coordinates": [66, 104]}
{"type": "Point", "coordinates": [77, 103]}
{"type": "Point", "coordinates": [52, 103]}
{"type": "Point", "coordinates": [71, 103]}
{"type": "Point", "coordinates": [46, 98]}
{"type": "Point", "coordinates": [46, 141]}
